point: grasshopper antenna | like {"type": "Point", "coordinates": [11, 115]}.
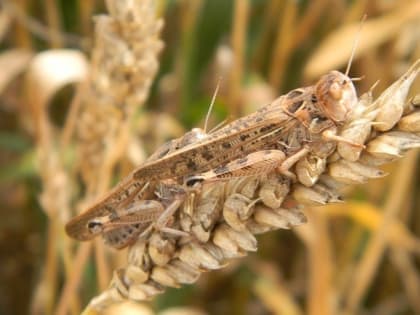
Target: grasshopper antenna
{"type": "Point", "coordinates": [213, 99]}
{"type": "Point", "coordinates": [355, 44]}
{"type": "Point", "coordinates": [358, 78]}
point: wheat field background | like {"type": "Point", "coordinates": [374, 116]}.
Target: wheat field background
{"type": "Point", "coordinates": [78, 112]}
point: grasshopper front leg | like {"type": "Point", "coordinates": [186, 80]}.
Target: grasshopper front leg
{"type": "Point", "coordinates": [162, 222]}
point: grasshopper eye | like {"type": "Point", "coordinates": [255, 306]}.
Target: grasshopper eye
{"type": "Point", "coordinates": [94, 226]}
{"type": "Point", "coordinates": [336, 91]}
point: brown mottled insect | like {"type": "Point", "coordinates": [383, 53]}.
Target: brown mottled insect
{"type": "Point", "coordinates": [296, 124]}
{"type": "Point", "coordinates": [273, 138]}
{"type": "Point", "coordinates": [131, 207]}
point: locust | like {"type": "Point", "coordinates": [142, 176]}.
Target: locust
{"type": "Point", "coordinates": [301, 122]}
{"type": "Point", "coordinates": [129, 209]}
{"type": "Point", "coordinates": [274, 138]}
{"type": "Point", "coordinates": [297, 123]}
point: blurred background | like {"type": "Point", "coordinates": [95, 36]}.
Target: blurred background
{"type": "Point", "coordinates": [60, 149]}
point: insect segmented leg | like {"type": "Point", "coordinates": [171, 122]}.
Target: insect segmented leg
{"type": "Point", "coordinates": [331, 135]}
{"type": "Point", "coordinates": [129, 227]}
{"type": "Point", "coordinates": [125, 235]}
{"type": "Point", "coordinates": [162, 222]}
{"type": "Point", "coordinates": [290, 161]}
{"type": "Point", "coordinates": [138, 212]}
{"type": "Point", "coordinates": [123, 225]}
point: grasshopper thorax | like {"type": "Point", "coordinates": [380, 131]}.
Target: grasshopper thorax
{"type": "Point", "coordinates": [336, 95]}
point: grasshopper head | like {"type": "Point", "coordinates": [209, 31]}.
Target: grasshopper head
{"type": "Point", "coordinates": [336, 95]}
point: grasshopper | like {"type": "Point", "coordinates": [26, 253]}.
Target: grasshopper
{"type": "Point", "coordinates": [297, 123]}
{"type": "Point", "coordinates": [272, 139]}
{"type": "Point", "coordinates": [130, 208]}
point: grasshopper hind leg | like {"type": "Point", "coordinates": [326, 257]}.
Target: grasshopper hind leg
{"type": "Point", "coordinates": [256, 163]}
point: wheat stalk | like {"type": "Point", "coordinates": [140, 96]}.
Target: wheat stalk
{"type": "Point", "coordinates": [123, 66]}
